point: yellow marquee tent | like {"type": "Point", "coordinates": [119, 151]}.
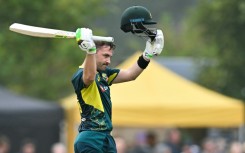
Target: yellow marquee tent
{"type": "Point", "coordinates": [160, 98]}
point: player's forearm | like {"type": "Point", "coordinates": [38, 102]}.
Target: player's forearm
{"type": "Point", "coordinates": [134, 71]}
{"type": "Point", "coordinates": [90, 69]}
{"type": "Point", "coordinates": [128, 74]}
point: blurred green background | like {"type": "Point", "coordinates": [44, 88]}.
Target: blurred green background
{"type": "Point", "coordinates": [211, 32]}
{"type": "Point", "coordinates": [39, 67]}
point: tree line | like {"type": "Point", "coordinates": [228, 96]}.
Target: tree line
{"type": "Point", "coordinates": [42, 68]}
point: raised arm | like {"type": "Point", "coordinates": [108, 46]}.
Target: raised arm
{"type": "Point", "coordinates": [89, 70]}
{"type": "Point", "coordinates": [85, 42]}
{"type": "Point", "coordinates": [152, 49]}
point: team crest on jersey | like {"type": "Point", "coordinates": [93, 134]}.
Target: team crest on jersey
{"type": "Point", "coordinates": [105, 77]}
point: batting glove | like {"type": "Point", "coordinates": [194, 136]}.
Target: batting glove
{"type": "Point", "coordinates": [155, 47]}
{"type": "Point", "coordinates": [85, 41]}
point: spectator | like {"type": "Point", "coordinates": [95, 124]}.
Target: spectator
{"type": "Point", "coordinates": [138, 147]}
{"type": "Point", "coordinates": [162, 148]}
{"type": "Point", "coordinates": [149, 145]}
{"type": "Point", "coordinates": [186, 148]}
{"type": "Point", "coordinates": [28, 146]}
{"type": "Point", "coordinates": [120, 144]}
{"type": "Point", "coordinates": [235, 147]}
{"type": "Point", "coordinates": [4, 144]}
{"type": "Point", "coordinates": [209, 146]}
{"type": "Point", "coordinates": [58, 148]}
{"type": "Point", "coordinates": [221, 145]}
{"type": "Point", "coordinates": [190, 148]}
{"type": "Point", "coordinates": [151, 141]}
{"type": "Point", "coordinates": [174, 141]}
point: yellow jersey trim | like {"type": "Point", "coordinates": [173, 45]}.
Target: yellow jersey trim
{"type": "Point", "coordinates": [91, 96]}
{"type": "Point", "coordinates": [111, 78]}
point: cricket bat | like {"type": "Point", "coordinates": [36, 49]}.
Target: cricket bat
{"type": "Point", "coordinates": [50, 33]}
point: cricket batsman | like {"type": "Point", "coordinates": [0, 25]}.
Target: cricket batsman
{"type": "Point", "coordinates": [93, 79]}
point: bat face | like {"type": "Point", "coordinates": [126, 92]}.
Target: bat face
{"type": "Point", "coordinates": [40, 32]}
{"type": "Point", "coordinates": [50, 33]}
{"type": "Point", "coordinates": [65, 34]}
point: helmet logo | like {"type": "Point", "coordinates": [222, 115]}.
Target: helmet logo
{"type": "Point", "coordinates": [150, 15]}
{"type": "Point", "coordinates": [137, 20]}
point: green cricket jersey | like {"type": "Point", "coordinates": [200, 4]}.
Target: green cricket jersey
{"type": "Point", "coordinates": [94, 101]}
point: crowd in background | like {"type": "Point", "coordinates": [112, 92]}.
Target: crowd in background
{"type": "Point", "coordinates": [174, 144]}
{"type": "Point", "coordinates": [147, 143]}
{"type": "Point", "coordinates": [29, 146]}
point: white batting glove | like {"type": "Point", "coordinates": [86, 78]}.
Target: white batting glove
{"type": "Point", "coordinates": [155, 47]}
{"type": "Point", "coordinates": [85, 41]}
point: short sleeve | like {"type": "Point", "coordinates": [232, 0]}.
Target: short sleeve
{"type": "Point", "coordinates": [77, 81]}
{"type": "Point", "coordinates": [112, 74]}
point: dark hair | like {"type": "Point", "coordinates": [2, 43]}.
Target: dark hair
{"type": "Point", "coordinates": [104, 43]}
{"type": "Point", "coordinates": [150, 135]}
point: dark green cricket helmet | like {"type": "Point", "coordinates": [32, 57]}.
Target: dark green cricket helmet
{"type": "Point", "coordinates": [135, 16]}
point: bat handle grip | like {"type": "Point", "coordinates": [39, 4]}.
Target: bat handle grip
{"type": "Point", "coordinates": [100, 38]}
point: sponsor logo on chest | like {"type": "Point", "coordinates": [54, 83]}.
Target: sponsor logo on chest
{"type": "Point", "coordinates": [104, 78]}
{"type": "Point", "coordinates": [103, 88]}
